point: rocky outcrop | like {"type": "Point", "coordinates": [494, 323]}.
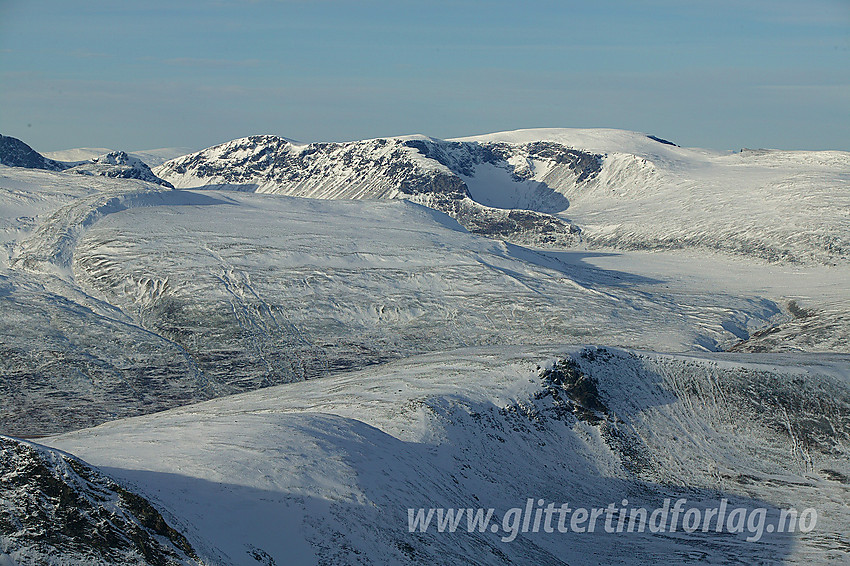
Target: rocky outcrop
{"type": "Point", "coordinates": [118, 164]}
{"type": "Point", "coordinates": [15, 153]}
{"type": "Point", "coordinates": [54, 505]}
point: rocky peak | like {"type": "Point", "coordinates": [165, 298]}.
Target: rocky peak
{"type": "Point", "coordinates": [119, 165]}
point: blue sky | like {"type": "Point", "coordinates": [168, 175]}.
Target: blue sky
{"type": "Point", "coordinates": [141, 75]}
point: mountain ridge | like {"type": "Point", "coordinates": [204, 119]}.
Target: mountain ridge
{"type": "Point", "coordinates": [416, 168]}
{"type": "Point", "coordinates": [557, 188]}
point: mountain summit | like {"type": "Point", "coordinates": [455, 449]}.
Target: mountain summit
{"type": "Point", "coordinates": [119, 164]}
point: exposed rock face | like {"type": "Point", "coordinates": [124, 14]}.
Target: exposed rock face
{"type": "Point", "coordinates": [523, 227]}
{"type": "Point", "coordinates": [52, 504]}
{"type": "Point", "coordinates": [463, 157]}
{"type": "Point", "coordinates": [426, 170]}
{"type": "Point", "coordinates": [15, 153]}
{"type": "Point", "coordinates": [120, 165]}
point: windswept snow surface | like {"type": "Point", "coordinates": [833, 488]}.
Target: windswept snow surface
{"type": "Point", "coordinates": [621, 189]}
{"type": "Point", "coordinates": [324, 472]}
{"type": "Point", "coordinates": [69, 359]}
{"type": "Point", "coordinates": [121, 297]}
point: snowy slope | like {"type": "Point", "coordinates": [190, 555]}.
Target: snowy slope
{"type": "Point", "coordinates": [209, 293]}
{"type": "Point", "coordinates": [283, 279]}
{"type": "Point", "coordinates": [69, 359]}
{"type": "Point", "coordinates": [620, 189]}
{"type": "Point", "coordinates": [121, 297]}
{"type": "Point", "coordinates": [153, 157]}
{"type": "Point", "coordinates": [119, 164]}
{"type": "Point", "coordinates": [323, 472]}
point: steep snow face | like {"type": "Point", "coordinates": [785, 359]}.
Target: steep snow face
{"type": "Point", "coordinates": [119, 164]}
{"type": "Point", "coordinates": [15, 153]}
{"type": "Point", "coordinates": [56, 509]}
{"type": "Point", "coordinates": [616, 189]}
{"type": "Point", "coordinates": [324, 471]}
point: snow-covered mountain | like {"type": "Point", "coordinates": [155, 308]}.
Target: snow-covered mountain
{"type": "Point", "coordinates": [545, 187]}
{"type": "Point", "coordinates": [324, 471]}
{"type": "Point", "coordinates": [421, 169]}
{"type": "Point", "coordinates": [123, 298]}
{"type": "Point", "coordinates": [152, 157]}
{"type": "Point", "coordinates": [119, 164]}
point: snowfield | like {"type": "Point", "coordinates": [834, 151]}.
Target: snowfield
{"type": "Point", "coordinates": [323, 472]}
{"type": "Point", "coordinates": [622, 189]}
{"type": "Point", "coordinates": [303, 341]}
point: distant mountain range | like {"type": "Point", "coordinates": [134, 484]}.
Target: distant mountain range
{"type": "Point", "coordinates": [106, 163]}
{"type": "Point", "coordinates": [152, 157]}
{"type": "Point", "coordinates": [119, 164]}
